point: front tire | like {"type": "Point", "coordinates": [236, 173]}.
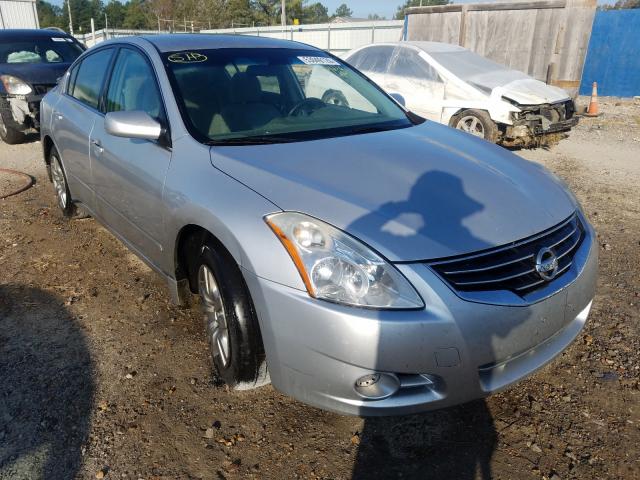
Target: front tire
{"type": "Point", "coordinates": [9, 134]}
{"type": "Point", "coordinates": [477, 123]}
{"type": "Point", "coordinates": [231, 324]}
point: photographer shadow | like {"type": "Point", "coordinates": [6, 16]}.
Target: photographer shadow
{"type": "Point", "coordinates": [454, 443]}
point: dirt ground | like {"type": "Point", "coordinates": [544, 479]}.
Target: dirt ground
{"type": "Point", "coordinates": [100, 377]}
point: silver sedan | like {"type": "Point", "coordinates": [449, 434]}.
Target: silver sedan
{"type": "Point", "coordinates": [359, 258]}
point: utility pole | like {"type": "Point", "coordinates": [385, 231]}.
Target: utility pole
{"type": "Point", "coordinates": [70, 20]}
{"type": "Point", "coordinates": [284, 18]}
{"type": "Point", "coordinates": [106, 26]}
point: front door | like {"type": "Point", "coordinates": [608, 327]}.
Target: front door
{"type": "Point", "coordinates": [129, 174]}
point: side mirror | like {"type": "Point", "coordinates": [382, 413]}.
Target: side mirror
{"type": "Point", "coordinates": [398, 98]}
{"type": "Point", "coordinates": [134, 124]}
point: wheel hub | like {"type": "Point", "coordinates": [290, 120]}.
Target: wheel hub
{"type": "Point", "coordinates": [472, 125]}
{"type": "Point", "coordinates": [215, 316]}
{"type": "Point", "coordinates": [59, 183]}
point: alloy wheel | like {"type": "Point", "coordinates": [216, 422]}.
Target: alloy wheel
{"type": "Point", "coordinates": [215, 317]}
{"type": "Point", "coordinates": [59, 183]}
{"type": "Point", "coordinates": [472, 125]}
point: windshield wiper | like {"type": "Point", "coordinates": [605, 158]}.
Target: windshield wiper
{"type": "Point", "coordinates": [257, 140]}
{"type": "Point", "coordinates": [374, 129]}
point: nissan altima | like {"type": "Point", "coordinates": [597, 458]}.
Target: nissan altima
{"type": "Point", "coordinates": [359, 258]}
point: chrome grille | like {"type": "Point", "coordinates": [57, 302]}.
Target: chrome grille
{"type": "Point", "coordinates": [513, 267]}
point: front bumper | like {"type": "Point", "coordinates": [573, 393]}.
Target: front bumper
{"type": "Point", "coordinates": [316, 350]}
{"type": "Point", "coordinates": [21, 112]}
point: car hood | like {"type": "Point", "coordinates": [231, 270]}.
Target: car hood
{"type": "Point", "coordinates": [412, 194]}
{"type": "Point", "coordinates": [35, 73]}
{"type": "Point", "coordinates": [518, 87]}
{"type": "Point", "coordinates": [531, 92]}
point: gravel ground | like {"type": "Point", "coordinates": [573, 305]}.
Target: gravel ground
{"type": "Point", "coordinates": [100, 377]}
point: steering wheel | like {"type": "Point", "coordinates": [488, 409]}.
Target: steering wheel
{"type": "Point", "coordinates": [306, 107]}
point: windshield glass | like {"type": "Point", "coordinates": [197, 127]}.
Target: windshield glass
{"type": "Point", "coordinates": [40, 50]}
{"type": "Point", "coordinates": [239, 96]}
{"type": "Point", "coordinates": [468, 65]}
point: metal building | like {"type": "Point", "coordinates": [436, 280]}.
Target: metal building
{"type": "Point", "coordinates": [18, 14]}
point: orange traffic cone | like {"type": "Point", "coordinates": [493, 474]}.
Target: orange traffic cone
{"type": "Point", "coordinates": [593, 110]}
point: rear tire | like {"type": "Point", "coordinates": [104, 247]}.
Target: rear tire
{"type": "Point", "coordinates": [231, 323]}
{"type": "Point", "coordinates": [59, 180]}
{"type": "Point", "coordinates": [9, 134]}
{"type": "Point", "coordinates": [477, 123]}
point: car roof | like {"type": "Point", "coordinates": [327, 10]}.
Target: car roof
{"type": "Point", "coordinates": [17, 34]}
{"type": "Point", "coordinates": [437, 47]}
{"type": "Point", "coordinates": [204, 41]}
{"type": "Point", "coordinates": [428, 47]}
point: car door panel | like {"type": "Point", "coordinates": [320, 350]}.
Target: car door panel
{"type": "Point", "coordinates": [71, 127]}
{"type": "Point", "coordinates": [129, 176]}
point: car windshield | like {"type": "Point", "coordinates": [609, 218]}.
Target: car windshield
{"type": "Point", "coordinates": [40, 50]}
{"type": "Point", "coordinates": [470, 66]}
{"type": "Point", "coordinates": [251, 96]}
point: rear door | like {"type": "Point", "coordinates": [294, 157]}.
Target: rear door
{"type": "Point", "coordinates": [129, 174]}
{"type": "Point", "coordinates": [73, 118]}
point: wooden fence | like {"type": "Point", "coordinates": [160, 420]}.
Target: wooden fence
{"type": "Point", "coordinates": [547, 39]}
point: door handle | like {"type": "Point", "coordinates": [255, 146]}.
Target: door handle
{"type": "Point", "coordinates": [98, 145]}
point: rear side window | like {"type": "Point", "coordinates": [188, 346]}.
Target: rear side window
{"type": "Point", "coordinates": [373, 59]}
{"type": "Point", "coordinates": [89, 76]}
{"type": "Point", "coordinates": [133, 86]}
{"type": "Point", "coordinates": [409, 63]}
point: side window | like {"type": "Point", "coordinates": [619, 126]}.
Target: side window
{"type": "Point", "coordinates": [89, 77]}
{"type": "Point", "coordinates": [133, 85]}
{"type": "Point", "coordinates": [373, 59]}
{"type": "Point", "coordinates": [409, 63]}
{"type": "Point", "coordinates": [72, 79]}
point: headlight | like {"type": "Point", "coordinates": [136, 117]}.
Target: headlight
{"type": "Point", "coordinates": [15, 86]}
{"type": "Point", "coordinates": [336, 267]}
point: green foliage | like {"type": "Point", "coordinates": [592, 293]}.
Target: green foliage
{"type": "Point", "coordinates": [50, 15]}
{"type": "Point", "coordinates": [621, 5]}
{"type": "Point", "coordinates": [418, 3]}
{"type": "Point", "coordinates": [343, 11]}
{"type": "Point", "coordinates": [174, 14]}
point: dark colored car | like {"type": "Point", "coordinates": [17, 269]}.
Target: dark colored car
{"type": "Point", "coordinates": [31, 61]}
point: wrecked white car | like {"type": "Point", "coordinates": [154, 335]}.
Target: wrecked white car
{"type": "Point", "coordinates": [452, 85]}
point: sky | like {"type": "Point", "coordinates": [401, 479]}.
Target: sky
{"type": "Point", "coordinates": [362, 8]}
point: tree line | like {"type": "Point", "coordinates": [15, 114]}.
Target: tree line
{"type": "Point", "coordinates": [181, 15]}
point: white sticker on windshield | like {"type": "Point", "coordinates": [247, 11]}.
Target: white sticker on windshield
{"type": "Point", "coordinates": [318, 61]}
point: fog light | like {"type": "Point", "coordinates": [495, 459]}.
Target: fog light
{"type": "Point", "coordinates": [377, 386]}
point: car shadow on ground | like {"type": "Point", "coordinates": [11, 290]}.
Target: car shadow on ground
{"type": "Point", "coordinates": [46, 386]}
{"type": "Point", "coordinates": [455, 443]}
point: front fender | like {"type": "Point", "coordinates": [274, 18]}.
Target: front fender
{"type": "Point", "coordinates": [197, 193]}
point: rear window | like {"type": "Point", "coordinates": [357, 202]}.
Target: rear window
{"type": "Point", "coordinates": [40, 50]}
